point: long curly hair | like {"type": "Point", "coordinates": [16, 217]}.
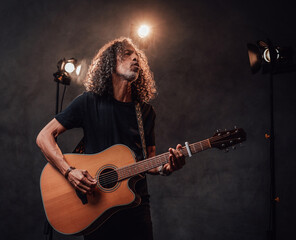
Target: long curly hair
{"type": "Point", "coordinates": [99, 76]}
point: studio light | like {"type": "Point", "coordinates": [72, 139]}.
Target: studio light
{"type": "Point", "coordinates": [142, 35]}
{"type": "Point", "coordinates": [271, 59]}
{"type": "Point", "coordinates": [67, 69]}
{"type": "Point", "coordinates": [143, 31]}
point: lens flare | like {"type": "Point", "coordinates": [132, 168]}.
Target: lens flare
{"type": "Point", "coordinates": [78, 69]}
{"type": "Point", "coordinates": [143, 31]}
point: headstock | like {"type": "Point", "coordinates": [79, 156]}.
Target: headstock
{"type": "Point", "coordinates": [228, 138]}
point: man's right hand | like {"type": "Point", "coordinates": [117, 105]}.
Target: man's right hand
{"type": "Point", "coordinates": [82, 180]}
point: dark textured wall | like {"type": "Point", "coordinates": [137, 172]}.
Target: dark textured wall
{"type": "Point", "coordinates": [199, 59]}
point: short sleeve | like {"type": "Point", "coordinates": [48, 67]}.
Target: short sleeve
{"type": "Point", "coordinates": [72, 116]}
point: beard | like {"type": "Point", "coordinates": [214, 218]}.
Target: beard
{"type": "Point", "coordinates": [129, 75]}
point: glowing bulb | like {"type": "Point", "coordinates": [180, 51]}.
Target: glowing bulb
{"type": "Point", "coordinates": [143, 31]}
{"type": "Point", "coordinates": [78, 69]}
{"type": "Point", "coordinates": [266, 55]}
{"type": "Point", "coordinates": [69, 67]}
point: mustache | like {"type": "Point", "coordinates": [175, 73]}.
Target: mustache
{"type": "Point", "coordinates": [135, 64]}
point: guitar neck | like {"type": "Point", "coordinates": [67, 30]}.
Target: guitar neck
{"type": "Point", "coordinates": [156, 161]}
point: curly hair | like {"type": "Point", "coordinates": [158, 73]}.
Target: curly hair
{"type": "Point", "coordinates": [99, 76]}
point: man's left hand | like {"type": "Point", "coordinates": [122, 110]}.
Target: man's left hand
{"type": "Point", "coordinates": [176, 160]}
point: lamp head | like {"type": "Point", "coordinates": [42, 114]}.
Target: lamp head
{"type": "Point", "coordinates": [270, 58]}
{"type": "Point", "coordinates": [66, 70]}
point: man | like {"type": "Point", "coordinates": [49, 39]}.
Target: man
{"type": "Point", "coordinates": [118, 77]}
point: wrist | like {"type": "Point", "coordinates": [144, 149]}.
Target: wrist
{"type": "Point", "coordinates": [68, 171]}
{"type": "Point", "coordinates": [162, 171]}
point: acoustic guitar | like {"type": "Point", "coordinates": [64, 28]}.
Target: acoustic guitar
{"type": "Point", "coordinates": [116, 170]}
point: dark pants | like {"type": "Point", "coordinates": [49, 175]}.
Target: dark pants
{"type": "Point", "coordinates": [133, 223]}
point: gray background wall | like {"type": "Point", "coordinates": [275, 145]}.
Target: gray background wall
{"type": "Point", "coordinates": [200, 62]}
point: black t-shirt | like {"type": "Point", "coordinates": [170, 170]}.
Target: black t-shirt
{"type": "Point", "coordinates": [106, 121]}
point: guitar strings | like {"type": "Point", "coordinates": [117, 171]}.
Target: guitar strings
{"type": "Point", "coordinates": [127, 171]}
{"type": "Point", "coordinates": [111, 177]}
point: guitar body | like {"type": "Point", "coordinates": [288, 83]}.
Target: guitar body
{"type": "Point", "coordinates": [67, 212]}
{"type": "Point", "coordinates": [116, 171]}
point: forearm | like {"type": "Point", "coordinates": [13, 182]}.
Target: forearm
{"type": "Point", "coordinates": [52, 153]}
{"type": "Point", "coordinates": [80, 179]}
{"type": "Point", "coordinates": [46, 142]}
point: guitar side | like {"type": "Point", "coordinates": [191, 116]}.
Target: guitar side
{"type": "Point", "coordinates": [65, 210]}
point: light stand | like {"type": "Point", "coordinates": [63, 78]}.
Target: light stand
{"type": "Point", "coordinates": [62, 76]}
{"type": "Point", "coordinates": [271, 233]}
{"type": "Point", "coordinates": [273, 60]}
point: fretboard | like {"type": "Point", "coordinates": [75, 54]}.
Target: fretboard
{"type": "Point", "coordinates": [156, 161]}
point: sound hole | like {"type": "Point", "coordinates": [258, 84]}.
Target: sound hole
{"type": "Point", "coordinates": [108, 178]}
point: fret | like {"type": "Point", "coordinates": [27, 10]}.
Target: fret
{"type": "Point", "coordinates": [201, 146]}
{"type": "Point", "coordinates": [193, 146]}
{"type": "Point", "coordinates": [156, 161]}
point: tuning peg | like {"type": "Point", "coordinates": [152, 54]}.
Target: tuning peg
{"type": "Point", "coordinates": [233, 147]}
{"type": "Point", "coordinates": [226, 150]}
{"type": "Point", "coordinates": [218, 132]}
{"type": "Point", "coordinates": [235, 127]}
